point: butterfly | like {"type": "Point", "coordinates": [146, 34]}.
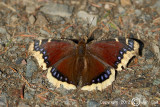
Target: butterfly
{"type": "Point", "coordinates": [90, 64]}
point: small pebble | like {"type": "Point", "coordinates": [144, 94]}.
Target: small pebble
{"type": "Point", "coordinates": [3, 101]}
{"type": "Point", "coordinates": [19, 60]}
{"type": "Point", "coordinates": [126, 3]}
{"type": "Point", "coordinates": [31, 67]}
{"type": "Point", "coordinates": [148, 54]}
{"type": "Point", "coordinates": [41, 21]}
{"type": "Point", "coordinates": [32, 19]}
{"type": "Point", "coordinates": [121, 10]}
{"type": "Point", "coordinates": [156, 82]}
{"type": "Point", "coordinates": [57, 9]}
{"type": "Point", "coordinates": [138, 12]}
{"type": "Point", "coordinates": [30, 9]}
{"type": "Point", "coordinates": [91, 19]}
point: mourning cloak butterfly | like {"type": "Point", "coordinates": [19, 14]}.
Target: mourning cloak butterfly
{"type": "Point", "coordinates": [91, 64]}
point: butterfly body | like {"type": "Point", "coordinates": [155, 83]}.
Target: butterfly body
{"type": "Point", "coordinates": [90, 64]}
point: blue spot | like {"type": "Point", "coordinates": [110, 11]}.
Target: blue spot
{"type": "Point", "coordinates": [124, 49]}
{"type": "Point", "coordinates": [37, 49]}
{"type": "Point", "coordinates": [47, 62]}
{"type": "Point", "coordinates": [131, 42]}
{"type": "Point", "coordinates": [61, 78]}
{"type": "Point", "coordinates": [121, 52]}
{"type": "Point", "coordinates": [58, 75]}
{"type": "Point", "coordinates": [54, 73]}
{"type": "Point", "coordinates": [119, 58]}
{"type": "Point", "coordinates": [93, 81]}
{"type": "Point", "coordinates": [106, 76]}
{"type": "Point", "coordinates": [36, 43]}
{"type": "Point", "coordinates": [44, 52]}
{"type": "Point", "coordinates": [66, 79]}
{"type": "Point", "coordinates": [53, 69]}
{"type": "Point", "coordinates": [102, 78]}
{"type": "Point", "coordinates": [116, 63]}
{"type": "Point", "coordinates": [71, 82]}
{"type": "Point", "coordinates": [129, 48]}
{"type": "Point", "coordinates": [98, 80]}
{"type": "Point", "coordinates": [36, 46]}
{"type": "Point", "coordinates": [108, 72]}
{"type": "Point", "coordinates": [41, 50]}
{"type": "Point", "coordinates": [45, 57]}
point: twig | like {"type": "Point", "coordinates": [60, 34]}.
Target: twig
{"type": "Point", "coordinates": [22, 91]}
{"type": "Point", "coordinates": [41, 97]}
{"type": "Point", "coordinates": [95, 5]}
{"type": "Point", "coordinates": [67, 27]}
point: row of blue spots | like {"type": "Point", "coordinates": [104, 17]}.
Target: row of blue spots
{"type": "Point", "coordinates": [124, 50]}
{"type": "Point", "coordinates": [36, 45]}
{"type": "Point", "coordinates": [42, 51]}
{"type": "Point", "coordinates": [105, 75]}
{"type": "Point", "coordinates": [55, 73]}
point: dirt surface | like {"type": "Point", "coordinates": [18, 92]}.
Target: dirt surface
{"type": "Point", "coordinates": [24, 84]}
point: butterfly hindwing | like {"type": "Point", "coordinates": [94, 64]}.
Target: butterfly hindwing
{"type": "Point", "coordinates": [64, 73]}
{"type": "Point", "coordinates": [96, 75]}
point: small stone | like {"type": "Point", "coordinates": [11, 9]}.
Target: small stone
{"type": "Point", "coordinates": [157, 6]}
{"type": "Point", "coordinates": [121, 10]}
{"type": "Point", "coordinates": [3, 101]}
{"type": "Point", "coordinates": [30, 9]}
{"type": "Point", "coordinates": [57, 9]}
{"type": "Point", "coordinates": [148, 54]}
{"type": "Point", "coordinates": [19, 60]}
{"type": "Point", "coordinates": [92, 19]}
{"type": "Point", "coordinates": [31, 67]}
{"type": "Point", "coordinates": [14, 18]}
{"type": "Point", "coordinates": [138, 12]}
{"type": "Point", "coordinates": [156, 50]}
{"type": "Point", "coordinates": [4, 75]}
{"type": "Point", "coordinates": [32, 19]}
{"type": "Point", "coordinates": [92, 103]}
{"type": "Point", "coordinates": [107, 7]}
{"type": "Point", "coordinates": [41, 20]}
{"type": "Point", "coordinates": [125, 2]}
{"type": "Point", "coordinates": [37, 105]}
{"type": "Point", "coordinates": [3, 30]}
{"type": "Point", "coordinates": [156, 82]}
{"type": "Point", "coordinates": [139, 2]}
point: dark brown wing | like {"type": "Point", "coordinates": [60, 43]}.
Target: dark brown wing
{"type": "Point", "coordinates": [97, 74]}
{"type": "Point", "coordinates": [66, 72]}
{"type": "Point", "coordinates": [104, 58]}
{"type": "Point", "coordinates": [48, 52]}
{"type": "Point", "coordinates": [58, 56]}
{"type": "Point", "coordinates": [116, 52]}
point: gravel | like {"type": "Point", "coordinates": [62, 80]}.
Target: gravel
{"type": "Point", "coordinates": [23, 21]}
